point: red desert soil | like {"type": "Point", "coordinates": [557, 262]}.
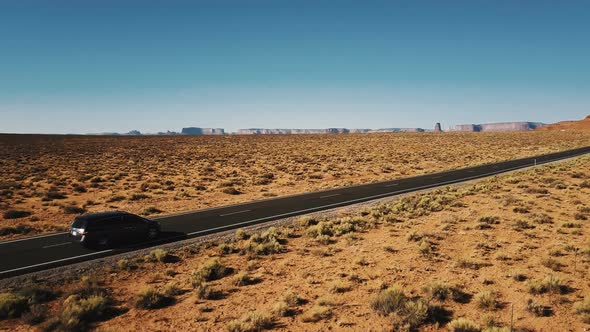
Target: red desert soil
{"type": "Point", "coordinates": [511, 249]}
{"type": "Point", "coordinates": [583, 124]}
{"type": "Point", "coordinates": [45, 181]}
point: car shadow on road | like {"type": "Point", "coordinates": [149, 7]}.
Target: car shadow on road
{"type": "Point", "coordinates": [163, 238]}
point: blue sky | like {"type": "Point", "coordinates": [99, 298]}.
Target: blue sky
{"type": "Point", "coordinates": [83, 66]}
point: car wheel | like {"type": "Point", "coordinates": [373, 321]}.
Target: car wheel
{"type": "Point", "coordinates": [153, 233]}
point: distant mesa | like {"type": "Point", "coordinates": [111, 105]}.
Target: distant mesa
{"type": "Point", "coordinates": [499, 127]}
{"type": "Point", "coordinates": [264, 131]}
{"type": "Point", "coordinates": [583, 124]}
{"type": "Point", "coordinates": [168, 132]}
{"type": "Point", "coordinates": [202, 131]}
{"type": "Point", "coordinates": [485, 127]}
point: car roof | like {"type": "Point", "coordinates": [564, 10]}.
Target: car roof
{"type": "Point", "coordinates": [102, 215]}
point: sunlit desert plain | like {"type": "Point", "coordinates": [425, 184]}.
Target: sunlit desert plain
{"type": "Point", "coordinates": [507, 253]}
{"type": "Point", "coordinates": [45, 181]}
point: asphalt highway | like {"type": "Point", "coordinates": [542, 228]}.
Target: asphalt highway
{"type": "Point", "coordinates": [46, 251]}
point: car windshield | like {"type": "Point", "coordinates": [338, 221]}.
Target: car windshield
{"type": "Point", "coordinates": [79, 223]}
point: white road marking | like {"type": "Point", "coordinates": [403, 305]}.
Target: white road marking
{"type": "Point", "coordinates": [329, 196]}
{"type": "Point", "coordinates": [392, 185]}
{"type": "Point", "coordinates": [31, 238]}
{"type": "Point", "coordinates": [232, 213]}
{"type": "Point", "coordinates": [55, 261]}
{"type": "Point", "coordinates": [57, 245]}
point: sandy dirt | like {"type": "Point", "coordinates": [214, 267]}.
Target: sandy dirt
{"type": "Point", "coordinates": [503, 236]}
{"type": "Point", "coordinates": [45, 181]}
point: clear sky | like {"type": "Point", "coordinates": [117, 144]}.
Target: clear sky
{"type": "Point", "coordinates": [82, 66]}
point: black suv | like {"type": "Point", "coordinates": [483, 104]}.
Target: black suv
{"type": "Point", "coordinates": [109, 228]}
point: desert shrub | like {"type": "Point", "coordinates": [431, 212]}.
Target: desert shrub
{"type": "Point", "coordinates": [419, 205]}
{"type": "Point", "coordinates": [539, 191]}
{"type": "Point", "coordinates": [116, 198]}
{"type": "Point", "coordinates": [443, 292]}
{"type": "Point", "coordinates": [522, 224]}
{"type": "Point", "coordinates": [264, 248]}
{"type": "Point", "coordinates": [15, 214]}
{"type": "Point", "coordinates": [415, 313]}
{"type": "Point", "coordinates": [467, 263]}
{"type": "Point", "coordinates": [123, 264]}
{"type": "Point", "coordinates": [241, 234]}
{"type": "Point", "coordinates": [425, 248]}
{"type": "Point", "coordinates": [251, 322]}
{"type": "Point", "coordinates": [487, 300]}
{"type": "Point", "coordinates": [242, 279]}
{"type": "Point", "coordinates": [412, 312]}
{"type": "Point", "coordinates": [36, 295]}
{"type": "Point", "coordinates": [537, 309]}
{"type": "Point", "coordinates": [571, 225]}
{"type": "Point", "coordinates": [54, 194]}
{"type": "Point", "coordinates": [80, 188]}
{"type": "Point", "coordinates": [463, 325]}
{"type": "Point", "coordinates": [97, 179]}
{"type": "Point", "coordinates": [389, 300]}
{"type": "Point", "coordinates": [20, 229]}
{"type": "Point", "coordinates": [552, 263]}
{"type": "Point", "coordinates": [150, 210]}
{"type": "Point", "coordinates": [542, 218]}
{"type": "Point", "coordinates": [322, 228]}
{"type": "Point", "coordinates": [36, 314]}
{"type": "Point", "coordinates": [307, 221]}
{"type": "Point", "coordinates": [231, 191]}
{"type": "Point", "coordinates": [390, 249]}
{"type": "Point", "coordinates": [211, 270]}
{"type": "Point", "coordinates": [490, 220]}
{"type": "Point", "coordinates": [284, 307]}
{"type": "Point", "coordinates": [316, 314]}
{"type": "Point", "coordinates": [520, 209]}
{"type": "Point", "coordinates": [548, 285]}
{"type": "Point", "coordinates": [263, 244]}
{"type": "Point", "coordinates": [338, 287]}
{"type": "Point", "coordinates": [138, 197]}
{"type": "Point", "coordinates": [158, 255]}
{"type": "Point", "coordinates": [72, 209]}
{"type": "Point", "coordinates": [77, 312]}
{"type": "Point", "coordinates": [171, 289]}
{"type": "Point", "coordinates": [414, 236]}
{"type": "Point", "coordinates": [150, 298]}
{"type": "Point", "coordinates": [585, 184]}
{"type": "Point", "coordinates": [292, 299]}
{"type": "Point", "coordinates": [580, 216]}
{"type": "Point", "coordinates": [224, 249]}
{"type": "Point", "coordinates": [518, 276]}
{"type": "Point", "coordinates": [202, 290]}
{"type": "Point", "coordinates": [12, 305]}
{"type": "Point", "coordinates": [280, 309]}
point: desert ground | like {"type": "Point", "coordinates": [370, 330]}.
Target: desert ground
{"type": "Point", "coordinates": [45, 181]}
{"type": "Point", "coordinates": [511, 251]}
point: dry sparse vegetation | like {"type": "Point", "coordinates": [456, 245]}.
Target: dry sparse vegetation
{"type": "Point", "coordinates": [441, 270]}
{"type": "Point", "coordinates": [68, 175]}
